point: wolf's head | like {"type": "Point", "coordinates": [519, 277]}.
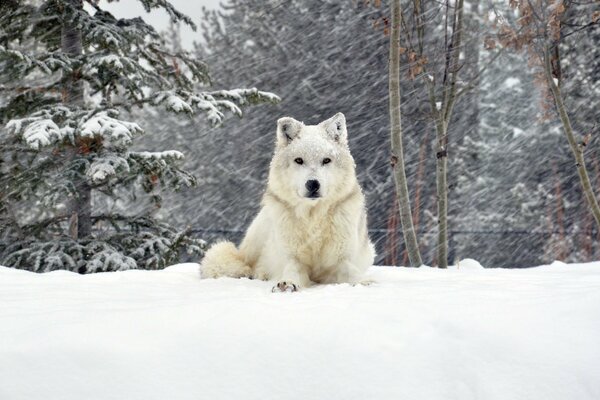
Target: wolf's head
{"type": "Point", "coordinates": [312, 162]}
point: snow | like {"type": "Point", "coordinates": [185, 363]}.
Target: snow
{"type": "Point", "coordinates": [240, 95]}
{"type": "Point", "coordinates": [108, 61]}
{"type": "Point", "coordinates": [518, 131]}
{"type": "Point", "coordinates": [158, 155]}
{"type": "Point", "coordinates": [462, 333]}
{"type": "Point", "coordinates": [114, 130]}
{"type": "Point", "coordinates": [513, 83]}
{"type": "Point", "coordinates": [173, 102]}
{"type": "Point", "coordinates": [468, 264]}
{"type": "Point", "coordinates": [178, 105]}
{"type": "Point", "coordinates": [213, 103]}
{"type": "Point", "coordinates": [209, 105]}
{"type": "Point", "coordinates": [106, 167]}
{"type": "Point", "coordinates": [39, 133]}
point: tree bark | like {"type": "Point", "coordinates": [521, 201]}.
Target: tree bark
{"type": "Point", "coordinates": [408, 230]}
{"type": "Point", "coordinates": [80, 206]}
{"type": "Point", "coordinates": [444, 114]}
{"type": "Point", "coordinates": [442, 195]}
{"type": "Point", "coordinates": [576, 148]}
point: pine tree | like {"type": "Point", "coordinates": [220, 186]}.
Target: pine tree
{"type": "Point", "coordinates": [66, 75]}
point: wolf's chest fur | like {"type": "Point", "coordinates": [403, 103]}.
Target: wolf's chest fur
{"type": "Point", "coordinates": [316, 238]}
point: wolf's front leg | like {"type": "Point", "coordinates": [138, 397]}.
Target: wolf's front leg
{"type": "Point", "coordinates": [293, 277]}
{"type": "Point", "coordinates": [348, 272]}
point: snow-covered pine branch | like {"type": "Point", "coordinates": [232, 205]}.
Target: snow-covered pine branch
{"type": "Point", "coordinates": [52, 125]}
{"type": "Point", "coordinates": [109, 259]}
{"type": "Point", "coordinates": [36, 132]}
{"type": "Point", "coordinates": [161, 167]}
{"type": "Point", "coordinates": [114, 131]}
{"type": "Point", "coordinates": [107, 32]}
{"type": "Point", "coordinates": [21, 64]}
{"type": "Point", "coordinates": [246, 96]}
{"type": "Point", "coordinates": [63, 80]}
{"type": "Point", "coordinates": [14, 20]}
{"type": "Point", "coordinates": [174, 102]}
{"type": "Point", "coordinates": [140, 243]}
{"type": "Point", "coordinates": [69, 255]}
{"type": "Point", "coordinates": [155, 167]}
{"type": "Point", "coordinates": [215, 103]}
{"type": "Point", "coordinates": [106, 167]}
{"type": "Point", "coordinates": [174, 14]}
{"type": "Point", "coordinates": [41, 128]}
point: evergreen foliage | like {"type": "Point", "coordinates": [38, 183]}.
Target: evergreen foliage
{"type": "Point", "coordinates": [67, 74]}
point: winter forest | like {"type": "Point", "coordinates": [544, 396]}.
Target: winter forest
{"type": "Point", "coordinates": [149, 147]}
{"type": "Point", "coordinates": [122, 148]}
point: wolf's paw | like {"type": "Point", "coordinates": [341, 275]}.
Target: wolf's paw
{"type": "Point", "coordinates": [285, 287]}
{"type": "Point", "coordinates": [364, 282]}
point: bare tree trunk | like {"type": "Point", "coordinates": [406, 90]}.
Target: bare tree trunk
{"type": "Point", "coordinates": [80, 206]}
{"type": "Point", "coordinates": [442, 195]}
{"type": "Point", "coordinates": [408, 229]}
{"type": "Point", "coordinates": [391, 245]}
{"type": "Point", "coordinates": [444, 115]}
{"type": "Point", "coordinates": [576, 148]}
{"type": "Point", "coordinates": [419, 184]}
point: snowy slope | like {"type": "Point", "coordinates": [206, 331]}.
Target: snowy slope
{"type": "Point", "coordinates": [464, 333]}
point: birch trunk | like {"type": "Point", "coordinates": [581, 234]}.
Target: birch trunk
{"type": "Point", "coordinates": [442, 195]}
{"type": "Point", "coordinates": [576, 148]}
{"type": "Point", "coordinates": [408, 230]}
{"type": "Point", "coordinates": [444, 115]}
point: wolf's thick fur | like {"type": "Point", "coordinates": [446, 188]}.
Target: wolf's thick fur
{"type": "Point", "coordinates": [312, 227]}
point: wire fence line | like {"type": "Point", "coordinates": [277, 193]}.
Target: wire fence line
{"type": "Point", "coordinates": [513, 238]}
{"type": "Point", "coordinates": [380, 237]}
{"type": "Point", "coordinates": [593, 232]}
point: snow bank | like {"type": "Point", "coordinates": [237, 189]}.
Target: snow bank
{"type": "Point", "coordinates": [463, 333]}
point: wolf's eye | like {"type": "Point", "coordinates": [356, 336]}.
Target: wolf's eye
{"type": "Point", "coordinates": [326, 160]}
{"type": "Point", "coordinates": [299, 161]}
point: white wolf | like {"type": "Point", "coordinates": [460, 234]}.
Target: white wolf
{"type": "Point", "coordinates": [312, 227]}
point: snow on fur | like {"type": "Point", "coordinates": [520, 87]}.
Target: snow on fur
{"type": "Point", "coordinates": [463, 333]}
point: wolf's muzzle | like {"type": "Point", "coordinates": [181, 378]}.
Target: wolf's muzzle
{"type": "Point", "coordinates": [313, 186]}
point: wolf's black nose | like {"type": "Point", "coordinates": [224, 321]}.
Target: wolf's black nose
{"type": "Point", "coordinates": [312, 186]}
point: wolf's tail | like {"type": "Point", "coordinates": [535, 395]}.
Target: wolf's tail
{"type": "Point", "coordinates": [224, 259]}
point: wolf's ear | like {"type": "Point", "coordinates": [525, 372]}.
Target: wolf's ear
{"type": "Point", "coordinates": [288, 129]}
{"type": "Point", "coordinates": [336, 128]}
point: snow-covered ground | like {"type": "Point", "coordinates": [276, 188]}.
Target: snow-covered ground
{"type": "Point", "coordinates": [463, 333]}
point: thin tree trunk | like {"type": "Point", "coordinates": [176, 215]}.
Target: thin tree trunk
{"type": "Point", "coordinates": [576, 148]}
{"type": "Point", "coordinates": [419, 185]}
{"type": "Point", "coordinates": [408, 229]}
{"type": "Point", "coordinates": [442, 195]}
{"type": "Point", "coordinates": [80, 206]}
{"type": "Point", "coordinates": [444, 116]}
{"type": "Point", "coordinates": [561, 252]}
{"type": "Point", "coordinates": [391, 246]}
